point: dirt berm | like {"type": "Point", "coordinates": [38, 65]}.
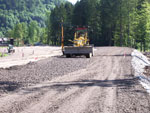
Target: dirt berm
{"type": "Point", "coordinates": [103, 84]}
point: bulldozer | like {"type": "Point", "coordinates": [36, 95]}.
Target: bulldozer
{"type": "Point", "coordinates": [80, 44]}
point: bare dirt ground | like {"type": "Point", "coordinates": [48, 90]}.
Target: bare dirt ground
{"type": "Point", "coordinates": [24, 55]}
{"type": "Point", "coordinates": [102, 84]}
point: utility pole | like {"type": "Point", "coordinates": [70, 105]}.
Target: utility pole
{"type": "Point", "coordinates": [62, 36]}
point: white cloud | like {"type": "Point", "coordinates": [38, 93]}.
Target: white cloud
{"type": "Point", "coordinates": [73, 1]}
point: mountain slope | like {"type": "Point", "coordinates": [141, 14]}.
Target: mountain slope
{"type": "Point", "coordinates": [15, 11]}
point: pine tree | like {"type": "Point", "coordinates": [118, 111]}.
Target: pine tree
{"type": "Point", "coordinates": [143, 27]}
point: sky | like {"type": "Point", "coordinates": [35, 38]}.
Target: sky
{"type": "Point", "coordinates": [73, 1]}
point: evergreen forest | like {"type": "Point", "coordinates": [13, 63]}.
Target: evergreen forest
{"type": "Point", "coordinates": [110, 22]}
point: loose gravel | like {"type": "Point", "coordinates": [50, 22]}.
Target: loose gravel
{"type": "Point", "coordinates": [40, 71]}
{"type": "Point", "coordinates": [103, 84]}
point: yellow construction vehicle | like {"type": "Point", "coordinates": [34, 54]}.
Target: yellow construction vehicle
{"type": "Point", "coordinates": [80, 46]}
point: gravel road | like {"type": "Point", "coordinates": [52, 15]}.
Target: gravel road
{"type": "Point", "coordinates": [103, 84]}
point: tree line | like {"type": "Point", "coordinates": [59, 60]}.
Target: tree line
{"type": "Point", "coordinates": [110, 22]}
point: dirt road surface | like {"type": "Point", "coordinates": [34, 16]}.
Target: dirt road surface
{"type": "Point", "coordinates": [103, 84]}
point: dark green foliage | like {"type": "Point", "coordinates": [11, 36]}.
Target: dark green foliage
{"type": "Point", "coordinates": [60, 15]}
{"type": "Point", "coordinates": [113, 22]}
{"type": "Point", "coordinates": [88, 13]}
{"type": "Point", "coordinates": [110, 22]}
{"type": "Point", "coordinates": [16, 11]}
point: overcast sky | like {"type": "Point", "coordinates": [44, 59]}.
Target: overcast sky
{"type": "Point", "coordinates": [73, 1]}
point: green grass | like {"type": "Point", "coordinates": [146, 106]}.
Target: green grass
{"type": "Point", "coordinates": [3, 46]}
{"type": "Point", "coordinates": [3, 54]}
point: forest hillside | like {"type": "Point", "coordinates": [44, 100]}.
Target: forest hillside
{"type": "Point", "coordinates": [110, 22]}
{"type": "Point", "coordinates": [13, 12]}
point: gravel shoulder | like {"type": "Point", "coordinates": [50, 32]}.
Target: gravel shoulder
{"type": "Point", "coordinates": [103, 84]}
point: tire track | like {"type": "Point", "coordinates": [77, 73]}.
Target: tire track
{"type": "Point", "coordinates": [80, 103]}
{"type": "Point", "coordinates": [62, 96]}
{"type": "Point", "coordinates": [16, 101]}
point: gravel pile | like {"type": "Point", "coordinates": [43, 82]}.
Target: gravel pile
{"type": "Point", "coordinates": [139, 62]}
{"type": "Point", "coordinates": [36, 72]}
